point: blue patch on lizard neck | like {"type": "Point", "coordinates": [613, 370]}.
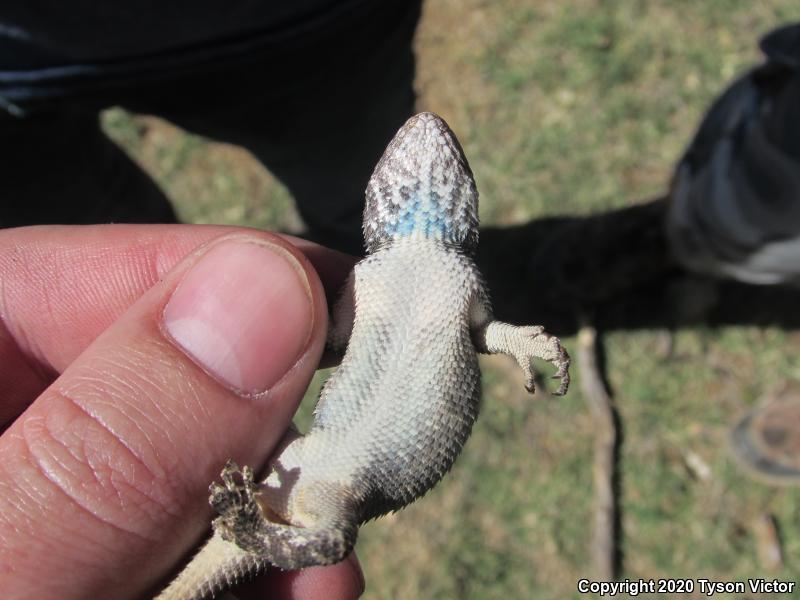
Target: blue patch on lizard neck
{"type": "Point", "coordinates": [423, 216]}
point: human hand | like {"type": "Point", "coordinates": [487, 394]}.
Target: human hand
{"type": "Point", "coordinates": [134, 360]}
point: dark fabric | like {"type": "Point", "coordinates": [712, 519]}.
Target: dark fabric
{"type": "Point", "coordinates": [316, 112]}
{"type": "Point", "coordinates": [48, 49]}
{"type": "Point", "coordinates": [759, 115]}
{"type": "Point", "coordinates": [735, 202]}
{"type": "Point", "coordinates": [782, 46]}
{"type": "Point", "coordinates": [60, 168]}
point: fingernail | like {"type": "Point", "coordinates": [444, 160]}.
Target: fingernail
{"type": "Point", "coordinates": [243, 313]}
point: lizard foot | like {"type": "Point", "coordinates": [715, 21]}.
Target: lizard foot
{"type": "Point", "coordinates": [525, 344]}
{"type": "Point", "coordinates": [245, 522]}
{"type": "Point", "coordinates": [535, 342]}
{"type": "Point", "coordinates": [240, 515]}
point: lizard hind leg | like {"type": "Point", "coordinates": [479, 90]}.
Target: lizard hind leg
{"type": "Point", "coordinates": [327, 538]}
{"type": "Point", "coordinates": [524, 344]}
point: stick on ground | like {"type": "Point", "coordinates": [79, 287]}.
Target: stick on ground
{"type": "Point", "coordinates": [603, 550]}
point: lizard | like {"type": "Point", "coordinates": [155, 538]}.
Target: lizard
{"type": "Point", "coordinates": [391, 420]}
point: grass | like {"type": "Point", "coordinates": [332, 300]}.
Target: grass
{"type": "Point", "coordinates": [563, 108]}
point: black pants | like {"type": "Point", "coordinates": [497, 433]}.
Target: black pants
{"type": "Point", "coordinates": [317, 112]}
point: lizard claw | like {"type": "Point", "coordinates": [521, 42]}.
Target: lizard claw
{"type": "Point", "coordinates": [229, 472]}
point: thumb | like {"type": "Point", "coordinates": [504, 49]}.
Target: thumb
{"type": "Point", "coordinates": [103, 479]}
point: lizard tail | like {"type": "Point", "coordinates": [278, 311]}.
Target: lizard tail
{"type": "Point", "coordinates": [218, 565]}
{"type": "Point", "coordinates": [290, 547]}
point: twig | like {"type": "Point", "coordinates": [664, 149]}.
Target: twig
{"type": "Point", "coordinates": [603, 550]}
{"type": "Point", "coordinates": [768, 540]}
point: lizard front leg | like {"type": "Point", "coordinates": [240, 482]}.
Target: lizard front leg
{"type": "Point", "coordinates": [522, 343]}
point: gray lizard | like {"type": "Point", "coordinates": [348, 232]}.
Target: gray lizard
{"type": "Point", "coordinates": [392, 419]}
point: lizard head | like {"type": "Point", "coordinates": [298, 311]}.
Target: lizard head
{"type": "Point", "coordinates": [422, 187]}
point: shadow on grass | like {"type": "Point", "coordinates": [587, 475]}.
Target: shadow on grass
{"type": "Point", "coordinates": [616, 267]}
